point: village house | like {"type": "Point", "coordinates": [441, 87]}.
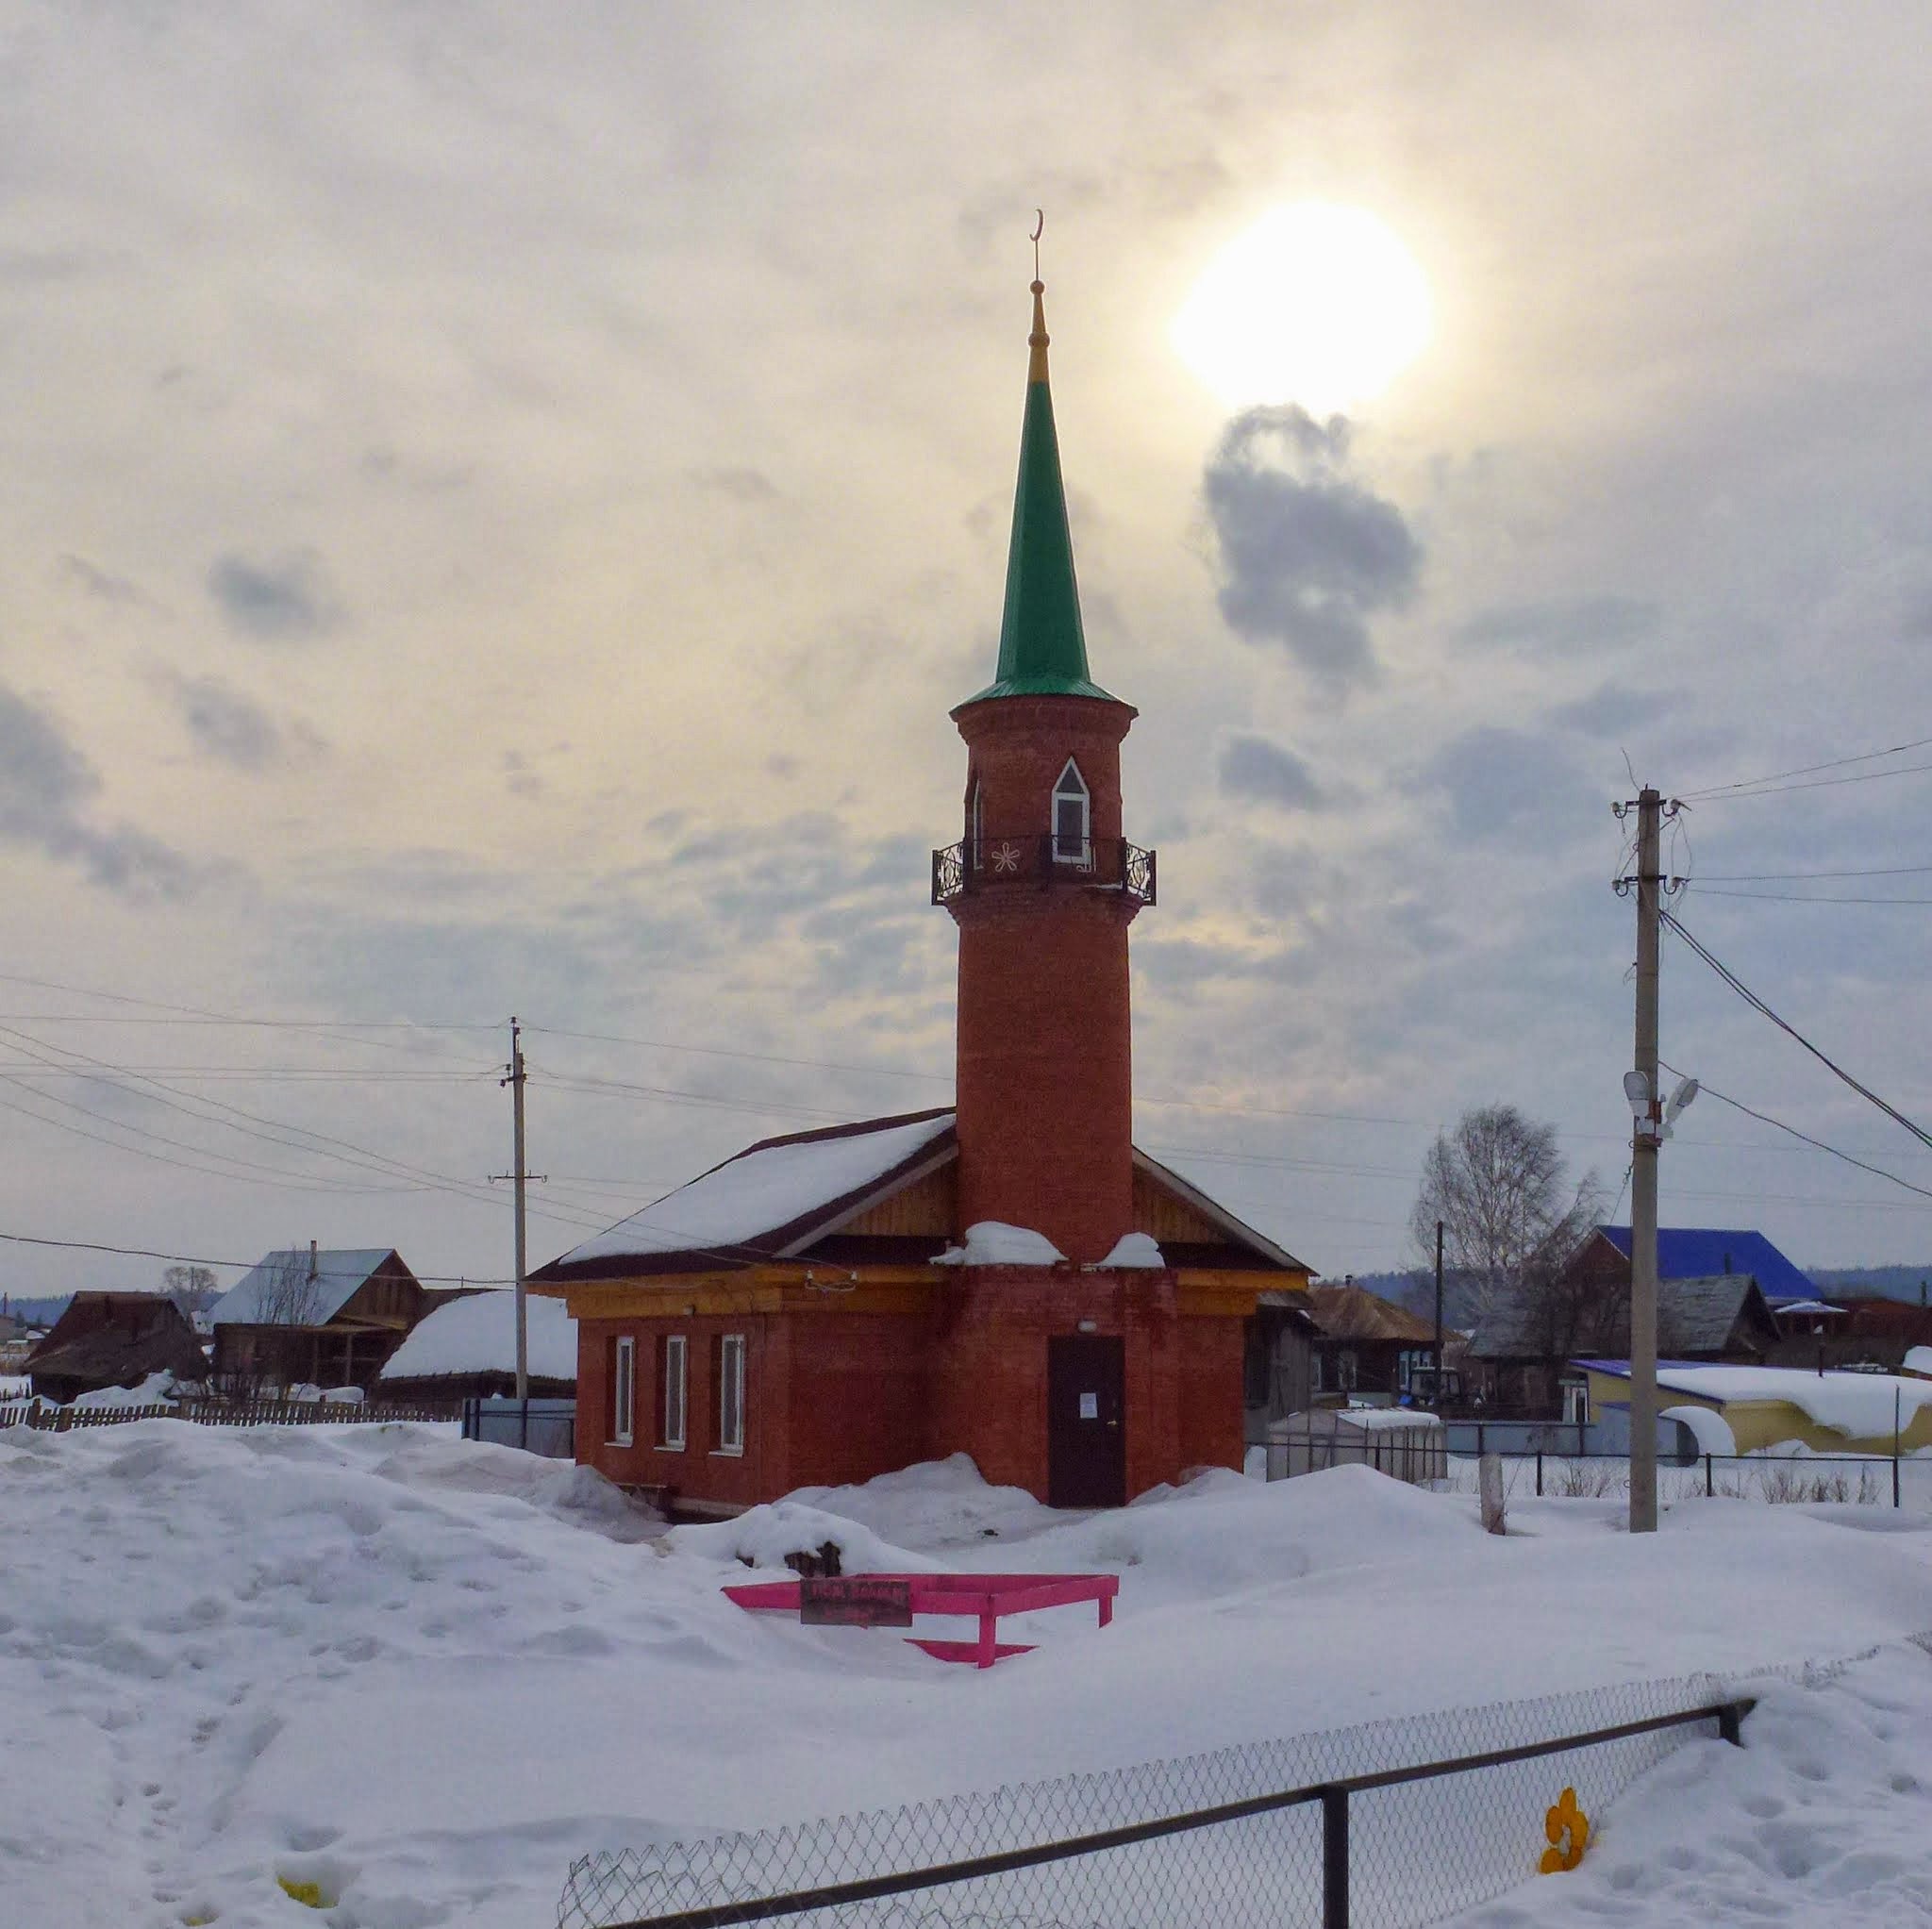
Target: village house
{"type": "Point", "coordinates": [466, 1349]}
{"type": "Point", "coordinates": [1009, 1277]}
{"type": "Point", "coordinates": [1714, 1303]}
{"type": "Point", "coordinates": [114, 1339]}
{"type": "Point", "coordinates": [320, 1316]}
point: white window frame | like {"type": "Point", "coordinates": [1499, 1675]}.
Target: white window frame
{"type": "Point", "coordinates": [731, 1393]}
{"type": "Point", "coordinates": [1075, 850]}
{"type": "Point", "coordinates": [623, 1393]}
{"type": "Point", "coordinates": [674, 1390]}
{"type": "Point", "coordinates": [976, 825]}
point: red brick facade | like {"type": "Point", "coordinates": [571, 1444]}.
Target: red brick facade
{"type": "Point", "coordinates": [1044, 1043]}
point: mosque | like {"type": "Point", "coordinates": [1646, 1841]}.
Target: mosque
{"type": "Point", "coordinates": [1009, 1277]}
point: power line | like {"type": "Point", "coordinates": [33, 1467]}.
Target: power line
{"type": "Point", "coordinates": [1738, 795]}
{"type": "Point", "coordinates": [1799, 876]}
{"type": "Point", "coordinates": [1864, 1165]}
{"type": "Point", "coordinates": [1789, 897]}
{"type": "Point", "coordinates": [1757, 1004]}
{"type": "Point", "coordinates": [1809, 769]}
{"type": "Point", "coordinates": [234, 1265]}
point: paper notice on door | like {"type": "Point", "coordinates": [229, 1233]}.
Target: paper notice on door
{"type": "Point", "coordinates": [1090, 1406]}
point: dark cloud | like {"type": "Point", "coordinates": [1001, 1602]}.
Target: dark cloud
{"type": "Point", "coordinates": [46, 788]}
{"type": "Point", "coordinates": [1308, 555]}
{"type": "Point", "coordinates": [519, 779]}
{"type": "Point", "coordinates": [1562, 626]}
{"type": "Point", "coordinates": [742, 485]}
{"type": "Point", "coordinates": [102, 583]}
{"type": "Point", "coordinates": [1610, 711]}
{"type": "Point", "coordinates": [1497, 781]}
{"type": "Point", "coordinates": [227, 724]}
{"type": "Point", "coordinates": [279, 599]}
{"type": "Point", "coordinates": [1256, 768]}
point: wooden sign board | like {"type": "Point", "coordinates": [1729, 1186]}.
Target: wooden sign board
{"type": "Point", "coordinates": [854, 1601]}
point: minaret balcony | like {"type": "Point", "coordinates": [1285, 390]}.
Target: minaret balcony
{"type": "Point", "coordinates": [1043, 861]}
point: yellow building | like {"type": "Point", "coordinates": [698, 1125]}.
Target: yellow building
{"type": "Point", "coordinates": [1773, 1407]}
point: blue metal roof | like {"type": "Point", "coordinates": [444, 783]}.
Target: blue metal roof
{"type": "Point", "coordinates": [1703, 1251]}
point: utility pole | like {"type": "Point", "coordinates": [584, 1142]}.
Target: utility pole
{"type": "Point", "coordinates": [1438, 1315]}
{"type": "Point", "coordinates": [1646, 1137]}
{"type": "Point", "coordinates": [515, 1081]}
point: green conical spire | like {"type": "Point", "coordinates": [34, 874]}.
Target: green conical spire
{"type": "Point", "coordinates": [1042, 647]}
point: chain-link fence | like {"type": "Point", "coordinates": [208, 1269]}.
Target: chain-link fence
{"type": "Point", "coordinates": [1422, 1814]}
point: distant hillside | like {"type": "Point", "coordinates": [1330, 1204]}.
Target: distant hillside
{"type": "Point", "coordinates": [40, 1312]}
{"type": "Point", "coordinates": [1875, 1281]}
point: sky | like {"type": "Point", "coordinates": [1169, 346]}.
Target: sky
{"type": "Point", "coordinates": [498, 503]}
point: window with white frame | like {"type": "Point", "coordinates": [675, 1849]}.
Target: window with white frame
{"type": "Point", "coordinates": [1072, 817]}
{"type": "Point", "coordinates": [975, 824]}
{"type": "Point", "coordinates": [671, 1392]}
{"type": "Point", "coordinates": [624, 1390]}
{"type": "Point", "coordinates": [731, 1394]}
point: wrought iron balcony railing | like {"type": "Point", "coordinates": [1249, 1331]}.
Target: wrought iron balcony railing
{"type": "Point", "coordinates": [1042, 862]}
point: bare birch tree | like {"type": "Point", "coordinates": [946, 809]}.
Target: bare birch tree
{"type": "Point", "coordinates": [1511, 1221]}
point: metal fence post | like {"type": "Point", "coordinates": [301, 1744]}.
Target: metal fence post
{"type": "Point", "coordinates": [1730, 1724]}
{"type": "Point", "coordinates": [1894, 1474]}
{"type": "Point", "coordinates": [1709, 1482]}
{"type": "Point", "coordinates": [1539, 1473]}
{"type": "Point", "coordinates": [1334, 1858]}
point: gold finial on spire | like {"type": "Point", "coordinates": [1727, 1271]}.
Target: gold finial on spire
{"type": "Point", "coordinates": [1036, 367]}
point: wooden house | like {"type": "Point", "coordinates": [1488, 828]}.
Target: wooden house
{"type": "Point", "coordinates": [466, 1349]}
{"type": "Point", "coordinates": [114, 1339]}
{"type": "Point", "coordinates": [323, 1317]}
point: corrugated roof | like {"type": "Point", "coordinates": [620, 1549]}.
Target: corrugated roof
{"type": "Point", "coordinates": [1694, 1316]}
{"type": "Point", "coordinates": [1686, 1252]}
{"type": "Point", "coordinates": [339, 1270]}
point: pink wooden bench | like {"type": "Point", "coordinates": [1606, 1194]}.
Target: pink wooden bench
{"type": "Point", "coordinates": [985, 1597]}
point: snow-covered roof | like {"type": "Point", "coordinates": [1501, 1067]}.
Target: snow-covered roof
{"type": "Point", "coordinates": [478, 1335]}
{"type": "Point", "coordinates": [772, 1199]}
{"type": "Point", "coordinates": [1918, 1359]}
{"type": "Point", "coordinates": [1860, 1406]}
{"type": "Point", "coordinates": [992, 1242]}
{"type": "Point", "coordinates": [339, 1270]}
{"type": "Point", "coordinates": [778, 1198]}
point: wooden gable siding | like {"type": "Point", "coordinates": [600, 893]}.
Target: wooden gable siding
{"type": "Point", "coordinates": [927, 1206]}
{"type": "Point", "coordinates": [389, 1299]}
{"type": "Point", "coordinates": [1166, 1219]}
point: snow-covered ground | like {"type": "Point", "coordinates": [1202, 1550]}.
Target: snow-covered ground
{"type": "Point", "coordinates": [424, 1674]}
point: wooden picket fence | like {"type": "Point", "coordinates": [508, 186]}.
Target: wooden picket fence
{"type": "Point", "coordinates": [60, 1419]}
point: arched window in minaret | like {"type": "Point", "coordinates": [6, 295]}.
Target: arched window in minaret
{"type": "Point", "coordinates": [975, 823]}
{"type": "Point", "coordinates": [1071, 819]}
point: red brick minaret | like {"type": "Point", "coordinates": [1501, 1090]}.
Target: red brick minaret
{"type": "Point", "coordinates": [1043, 887]}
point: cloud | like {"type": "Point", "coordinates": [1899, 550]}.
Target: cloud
{"type": "Point", "coordinates": [227, 724]}
{"type": "Point", "coordinates": [1499, 780]}
{"type": "Point", "coordinates": [745, 485]}
{"type": "Point", "coordinates": [1308, 555]}
{"type": "Point", "coordinates": [1562, 626]}
{"type": "Point", "coordinates": [45, 788]}
{"type": "Point", "coordinates": [286, 598]}
{"type": "Point", "coordinates": [1608, 710]}
{"type": "Point", "coordinates": [102, 583]}
{"type": "Point", "coordinates": [1256, 768]}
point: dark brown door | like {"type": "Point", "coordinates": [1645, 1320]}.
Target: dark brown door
{"type": "Point", "coordinates": [1086, 1421]}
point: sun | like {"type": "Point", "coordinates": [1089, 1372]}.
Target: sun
{"type": "Point", "coordinates": [1315, 303]}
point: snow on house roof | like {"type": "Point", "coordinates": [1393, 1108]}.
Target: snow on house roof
{"type": "Point", "coordinates": [1918, 1359]}
{"type": "Point", "coordinates": [1684, 1252]}
{"type": "Point", "coordinates": [339, 1270]}
{"type": "Point", "coordinates": [778, 1198]}
{"type": "Point", "coordinates": [773, 1198]}
{"type": "Point", "coordinates": [478, 1335]}
{"type": "Point", "coordinates": [1860, 1405]}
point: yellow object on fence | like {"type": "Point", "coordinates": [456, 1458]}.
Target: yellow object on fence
{"type": "Point", "coordinates": [1568, 1830]}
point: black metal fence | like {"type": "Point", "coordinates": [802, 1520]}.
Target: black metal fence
{"type": "Point", "coordinates": [1392, 1824]}
{"type": "Point", "coordinates": [548, 1427]}
{"type": "Point", "coordinates": [1860, 1479]}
